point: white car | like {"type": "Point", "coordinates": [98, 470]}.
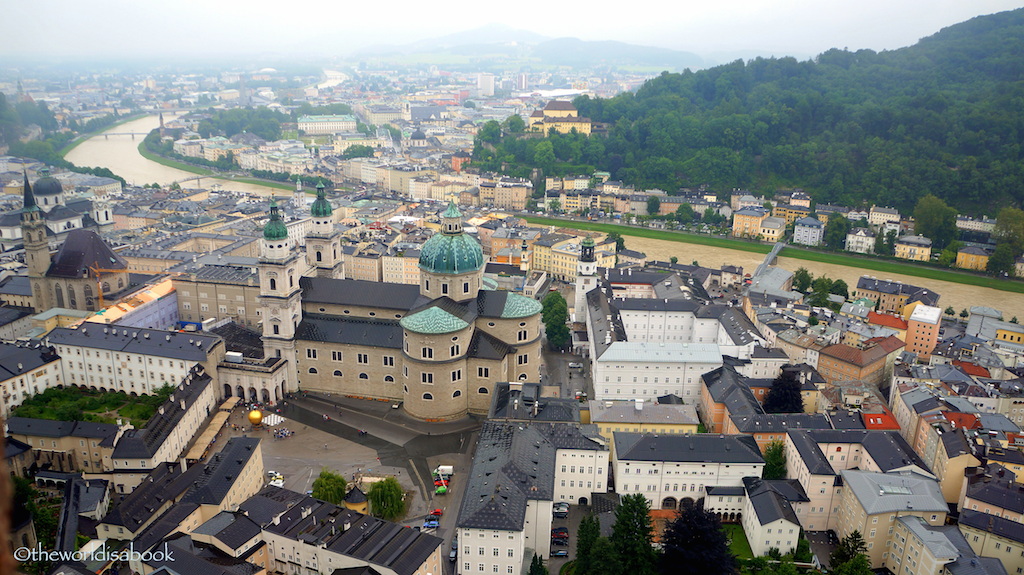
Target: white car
{"type": "Point", "coordinates": [272, 474]}
{"type": "Point", "coordinates": [575, 365]}
{"type": "Point", "coordinates": [277, 483]}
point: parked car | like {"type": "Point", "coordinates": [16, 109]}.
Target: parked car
{"type": "Point", "coordinates": [575, 365]}
{"type": "Point", "coordinates": [453, 555]}
{"type": "Point", "coordinates": [437, 512]}
{"type": "Point", "coordinates": [559, 553]}
{"type": "Point", "coordinates": [432, 523]}
{"type": "Point", "coordinates": [559, 531]}
{"type": "Point", "coordinates": [563, 541]}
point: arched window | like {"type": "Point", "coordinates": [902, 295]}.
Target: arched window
{"type": "Point", "coordinates": [388, 379]}
{"type": "Point", "coordinates": [337, 373]}
{"type": "Point", "coordinates": [312, 370]}
{"type": "Point", "coordinates": [87, 290]}
{"type": "Point", "coordinates": [319, 256]}
{"type": "Point", "coordinates": [273, 284]}
{"type": "Point", "coordinates": [428, 397]}
{"type": "Point", "coordinates": [457, 393]}
{"type": "Point", "coordinates": [60, 295]}
{"type": "Point", "coordinates": [363, 376]}
{"type": "Point", "coordinates": [106, 287]}
{"type": "Point", "coordinates": [482, 391]}
{"type": "Point", "coordinates": [120, 283]}
{"type": "Point", "coordinates": [72, 300]}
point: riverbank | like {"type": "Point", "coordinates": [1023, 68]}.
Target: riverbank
{"type": "Point", "coordinates": [170, 163]}
{"type": "Point", "coordinates": [83, 137]}
{"type": "Point", "coordinates": [846, 260]}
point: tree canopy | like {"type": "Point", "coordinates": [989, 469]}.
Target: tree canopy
{"type": "Point", "coordinates": [387, 499]}
{"type": "Point", "coordinates": [784, 395]}
{"type": "Point", "coordinates": [695, 543]}
{"type": "Point", "coordinates": [329, 487]}
{"type": "Point", "coordinates": [775, 460]}
{"type": "Point", "coordinates": [631, 536]}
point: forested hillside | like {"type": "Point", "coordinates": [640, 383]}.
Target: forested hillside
{"type": "Point", "coordinates": [945, 116]}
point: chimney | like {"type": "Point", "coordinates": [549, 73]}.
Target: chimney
{"type": "Point", "coordinates": [638, 404]}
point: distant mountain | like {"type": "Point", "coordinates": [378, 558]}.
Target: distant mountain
{"type": "Point", "coordinates": [500, 40]}
{"type": "Point", "coordinates": [576, 52]}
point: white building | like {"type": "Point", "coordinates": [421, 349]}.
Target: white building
{"type": "Point", "coordinates": [318, 125]}
{"type": "Point", "coordinates": [861, 241]}
{"type": "Point", "coordinates": [769, 519]}
{"type": "Point", "coordinates": [671, 469]}
{"type": "Point", "coordinates": [628, 370]}
{"type": "Point", "coordinates": [25, 371]}
{"type": "Point", "coordinates": [131, 360]}
{"type": "Point", "coordinates": [518, 471]}
{"type": "Point", "coordinates": [808, 231]}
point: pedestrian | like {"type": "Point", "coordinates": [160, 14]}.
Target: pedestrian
{"type": "Point", "coordinates": [325, 447]}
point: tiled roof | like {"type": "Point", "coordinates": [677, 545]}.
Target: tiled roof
{"type": "Point", "coordinates": [82, 250]}
{"type": "Point", "coordinates": [433, 320]}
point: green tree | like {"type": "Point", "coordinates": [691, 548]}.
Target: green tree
{"type": "Point", "coordinates": [848, 548]}
{"type": "Point", "coordinates": [802, 280]}
{"type": "Point", "coordinates": [673, 260]}
{"type": "Point", "coordinates": [490, 132]}
{"type": "Point", "coordinates": [329, 487]}
{"type": "Point", "coordinates": [949, 311]}
{"type": "Point", "coordinates": [890, 243]}
{"type": "Point", "coordinates": [684, 213]}
{"type": "Point", "coordinates": [840, 288]}
{"type": "Point", "coordinates": [835, 231]}
{"type": "Point", "coordinates": [964, 313]}
{"type": "Point", "coordinates": [1003, 260]}
{"type": "Point", "coordinates": [555, 315]}
{"type": "Point", "coordinates": [620, 242]}
{"type": "Point", "coordinates": [537, 564]}
{"type": "Point", "coordinates": [1010, 228]}
{"type": "Point", "coordinates": [935, 220]}
{"type": "Point", "coordinates": [387, 499]}
{"type": "Point", "coordinates": [653, 205]}
{"type": "Point", "coordinates": [821, 288]}
{"type": "Point", "coordinates": [775, 460]}
{"type": "Point", "coordinates": [587, 535]}
{"type": "Point", "coordinates": [554, 206]}
{"type": "Point", "coordinates": [514, 124]}
{"type": "Point", "coordinates": [859, 565]}
{"type": "Point", "coordinates": [784, 395]}
{"type": "Point", "coordinates": [604, 559]}
{"type": "Point", "coordinates": [694, 543]}
{"type": "Point", "coordinates": [712, 217]}
{"type": "Point", "coordinates": [631, 536]}
{"type": "Point", "coordinates": [544, 156]}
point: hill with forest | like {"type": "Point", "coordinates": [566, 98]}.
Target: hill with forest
{"type": "Point", "coordinates": [944, 116]}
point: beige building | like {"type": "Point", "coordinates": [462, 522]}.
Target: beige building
{"type": "Point", "coordinates": [559, 254]}
{"type": "Point", "coordinates": [992, 536]}
{"type": "Point", "coordinates": [639, 417]}
{"type": "Point", "coordinates": [219, 292]}
{"type": "Point", "coordinates": [917, 248]}
{"type": "Point", "coordinates": [873, 503]}
{"type": "Point", "coordinates": [28, 371]}
{"type": "Point", "coordinates": [67, 446]}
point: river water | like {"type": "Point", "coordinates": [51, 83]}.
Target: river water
{"type": "Point", "coordinates": [121, 155]}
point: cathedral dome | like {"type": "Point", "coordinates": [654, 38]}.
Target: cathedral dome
{"type": "Point", "coordinates": [451, 251]}
{"type": "Point", "coordinates": [47, 185]}
{"type": "Point", "coordinates": [275, 229]}
{"type": "Point", "coordinates": [321, 208]}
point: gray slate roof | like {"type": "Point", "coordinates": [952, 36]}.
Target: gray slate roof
{"type": "Point", "coordinates": [889, 492]}
{"type": "Point", "coordinates": [701, 448]}
{"type": "Point", "coordinates": [384, 333]}
{"type": "Point", "coordinates": [1000, 526]}
{"type": "Point", "coordinates": [189, 346]}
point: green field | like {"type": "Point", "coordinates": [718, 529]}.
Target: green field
{"type": "Point", "coordinates": [738, 541]}
{"type": "Point", "coordinates": [74, 404]}
{"type": "Point", "coordinates": [859, 262]}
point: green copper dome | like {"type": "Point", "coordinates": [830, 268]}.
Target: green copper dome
{"type": "Point", "coordinates": [517, 306]}
{"type": "Point", "coordinates": [275, 229]}
{"type": "Point", "coordinates": [433, 320]}
{"type": "Point", "coordinates": [321, 208]}
{"type": "Point", "coordinates": [451, 251]}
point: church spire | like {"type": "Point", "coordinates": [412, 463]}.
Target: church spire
{"type": "Point", "coordinates": [29, 202]}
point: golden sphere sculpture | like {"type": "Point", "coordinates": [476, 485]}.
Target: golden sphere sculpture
{"type": "Point", "coordinates": [255, 417]}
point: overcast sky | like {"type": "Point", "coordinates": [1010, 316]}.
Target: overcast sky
{"type": "Point", "coordinates": [142, 28]}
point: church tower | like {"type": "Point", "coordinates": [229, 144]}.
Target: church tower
{"type": "Point", "coordinates": [323, 243]}
{"type": "Point", "coordinates": [280, 296]}
{"type": "Point", "coordinates": [37, 249]}
{"type": "Point", "coordinates": [586, 278]}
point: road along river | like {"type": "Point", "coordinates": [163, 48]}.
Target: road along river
{"type": "Point", "coordinates": [121, 155]}
{"type": "Point", "coordinates": [959, 296]}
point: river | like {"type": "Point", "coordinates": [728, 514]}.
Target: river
{"type": "Point", "coordinates": [121, 155]}
{"type": "Point", "coordinates": [960, 296]}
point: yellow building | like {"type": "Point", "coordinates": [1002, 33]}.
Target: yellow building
{"type": "Point", "coordinates": [916, 248]}
{"type": "Point", "coordinates": [639, 417]}
{"type": "Point", "coordinates": [561, 116]}
{"type": "Point", "coordinates": [972, 258]}
{"type": "Point", "coordinates": [772, 229]}
{"type": "Point", "coordinates": [790, 213]}
{"type": "Point", "coordinates": [558, 255]}
{"type": "Point", "coordinates": [746, 223]}
{"type": "Point", "coordinates": [991, 536]}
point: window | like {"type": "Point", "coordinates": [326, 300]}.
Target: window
{"type": "Point", "coordinates": [388, 379]}
{"type": "Point", "coordinates": [336, 356]}
{"type": "Point", "coordinates": [363, 376]}
{"type": "Point", "coordinates": [389, 361]}
{"type": "Point", "coordinates": [427, 378]}
{"type": "Point", "coordinates": [455, 350]}
{"type": "Point", "coordinates": [522, 335]}
{"type": "Point", "coordinates": [444, 289]}
{"type": "Point", "coordinates": [312, 370]}
{"type": "Point", "coordinates": [362, 358]}
{"type": "Point", "coordinates": [483, 372]}
{"type": "Point", "coordinates": [456, 393]}
{"type": "Point", "coordinates": [310, 353]}
{"type": "Point", "coordinates": [427, 353]}
{"type": "Point", "coordinates": [457, 375]}
{"type": "Point", "coordinates": [337, 373]}
{"type": "Point", "coordinates": [482, 391]}
{"type": "Point", "coordinates": [465, 287]}
{"type": "Point", "coordinates": [522, 359]}
{"type": "Point", "coordinates": [494, 551]}
{"type": "Point", "coordinates": [277, 329]}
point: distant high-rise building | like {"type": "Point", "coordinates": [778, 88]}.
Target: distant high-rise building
{"type": "Point", "coordinates": [485, 84]}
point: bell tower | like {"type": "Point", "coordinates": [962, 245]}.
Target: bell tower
{"type": "Point", "coordinates": [586, 278]}
{"type": "Point", "coordinates": [37, 249]}
{"type": "Point", "coordinates": [280, 295]}
{"type": "Point", "coordinates": [323, 243]}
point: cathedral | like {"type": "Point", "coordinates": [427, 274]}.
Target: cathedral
{"type": "Point", "coordinates": [84, 273]}
{"type": "Point", "coordinates": [437, 348]}
{"type": "Point", "coordinates": [60, 214]}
